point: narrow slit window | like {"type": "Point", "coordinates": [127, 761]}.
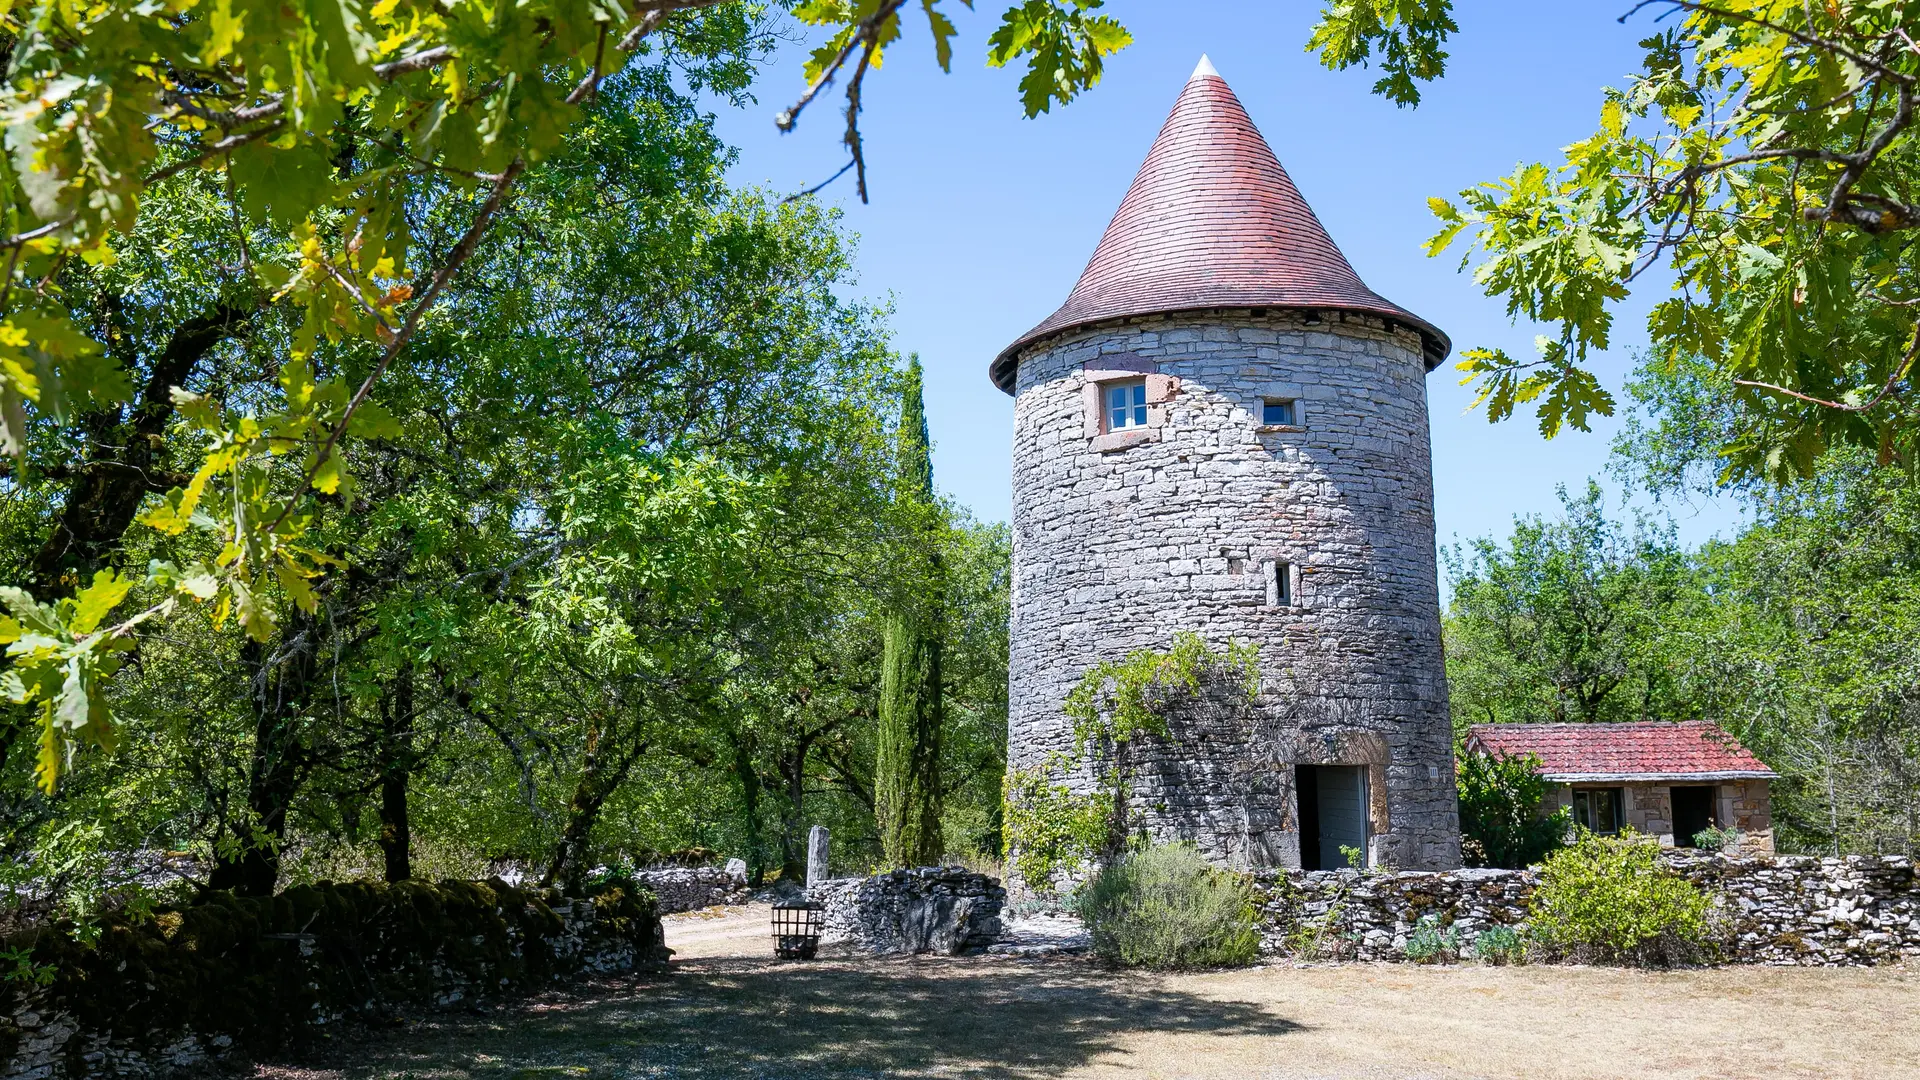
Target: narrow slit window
{"type": "Point", "coordinates": [1279, 412]}
{"type": "Point", "coordinates": [1127, 405]}
{"type": "Point", "coordinates": [1279, 583]}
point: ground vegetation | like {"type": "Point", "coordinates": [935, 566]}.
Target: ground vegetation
{"type": "Point", "coordinates": [1164, 907]}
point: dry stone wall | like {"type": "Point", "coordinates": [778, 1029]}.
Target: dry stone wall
{"type": "Point", "coordinates": [689, 888]}
{"type": "Point", "coordinates": [235, 975]}
{"type": "Point", "coordinates": [1192, 524]}
{"type": "Point", "coordinates": [946, 910]}
{"type": "Point", "coordinates": [1790, 910]}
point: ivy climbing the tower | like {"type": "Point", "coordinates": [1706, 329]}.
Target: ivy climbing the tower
{"type": "Point", "coordinates": [1049, 828]}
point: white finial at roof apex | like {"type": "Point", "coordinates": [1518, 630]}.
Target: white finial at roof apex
{"type": "Point", "coordinates": [1203, 70]}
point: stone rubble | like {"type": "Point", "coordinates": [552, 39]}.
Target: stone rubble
{"type": "Point", "coordinates": [1787, 910]}
{"type": "Point", "coordinates": [947, 910]}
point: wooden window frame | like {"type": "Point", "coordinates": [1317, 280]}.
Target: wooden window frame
{"type": "Point", "coordinates": [1098, 375]}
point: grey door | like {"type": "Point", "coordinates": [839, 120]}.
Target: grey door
{"type": "Point", "coordinates": [1342, 798]}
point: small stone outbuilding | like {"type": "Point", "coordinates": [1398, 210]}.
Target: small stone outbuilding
{"type": "Point", "coordinates": [1668, 781]}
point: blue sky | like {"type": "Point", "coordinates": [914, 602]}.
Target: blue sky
{"type": "Point", "coordinates": [981, 221]}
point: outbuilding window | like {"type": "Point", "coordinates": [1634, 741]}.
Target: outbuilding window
{"type": "Point", "coordinates": [1598, 809]}
{"type": "Point", "coordinates": [1126, 404]}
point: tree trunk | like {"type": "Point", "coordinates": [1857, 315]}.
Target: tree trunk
{"type": "Point", "coordinates": [793, 823]}
{"type": "Point", "coordinates": [397, 762]}
{"type": "Point", "coordinates": [121, 468]}
{"type": "Point", "coordinates": [567, 868]}
{"type": "Point", "coordinates": [603, 769]}
{"type": "Point", "coordinates": [749, 779]}
{"type": "Point", "coordinates": [248, 862]}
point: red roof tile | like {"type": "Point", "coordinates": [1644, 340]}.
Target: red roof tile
{"type": "Point", "coordinates": [1211, 221]}
{"type": "Point", "coordinates": [1696, 748]}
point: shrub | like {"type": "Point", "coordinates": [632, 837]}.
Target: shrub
{"type": "Point", "coordinates": [1430, 944]}
{"type": "Point", "coordinates": [1163, 907]}
{"type": "Point", "coordinates": [1499, 946]}
{"type": "Point", "coordinates": [1726, 841]}
{"type": "Point", "coordinates": [1500, 820]}
{"type": "Point", "coordinates": [1609, 900]}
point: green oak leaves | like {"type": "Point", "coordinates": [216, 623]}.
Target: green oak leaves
{"type": "Point", "coordinates": [326, 132]}
{"type": "Point", "coordinates": [1761, 164]}
{"type": "Point", "coordinates": [59, 656]}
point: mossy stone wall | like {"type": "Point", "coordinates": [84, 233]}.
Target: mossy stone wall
{"type": "Point", "coordinates": [259, 975]}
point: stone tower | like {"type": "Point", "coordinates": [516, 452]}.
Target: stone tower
{"type": "Point", "coordinates": [1224, 431]}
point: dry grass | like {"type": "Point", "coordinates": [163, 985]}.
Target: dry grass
{"type": "Point", "coordinates": [724, 1014]}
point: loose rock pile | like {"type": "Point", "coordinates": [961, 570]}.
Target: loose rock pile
{"type": "Point", "coordinates": [939, 909]}
{"type": "Point", "coordinates": [1784, 910]}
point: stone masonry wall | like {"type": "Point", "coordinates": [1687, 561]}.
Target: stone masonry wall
{"type": "Point", "coordinates": [1790, 910]}
{"type": "Point", "coordinates": [1122, 540]}
{"type": "Point", "coordinates": [1744, 805]}
{"type": "Point", "coordinates": [688, 888]}
{"type": "Point", "coordinates": [183, 989]}
{"type": "Point", "coordinates": [947, 910]}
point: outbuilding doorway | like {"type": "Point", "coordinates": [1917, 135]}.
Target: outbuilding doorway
{"type": "Point", "coordinates": [1692, 813]}
{"type": "Point", "coordinates": [1333, 813]}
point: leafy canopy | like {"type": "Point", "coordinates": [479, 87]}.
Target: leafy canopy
{"type": "Point", "coordinates": [329, 127]}
{"type": "Point", "coordinates": [1761, 161]}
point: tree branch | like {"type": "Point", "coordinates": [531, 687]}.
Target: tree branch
{"type": "Point", "coordinates": [455, 259]}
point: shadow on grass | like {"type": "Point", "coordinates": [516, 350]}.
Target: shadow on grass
{"type": "Point", "coordinates": [731, 1018]}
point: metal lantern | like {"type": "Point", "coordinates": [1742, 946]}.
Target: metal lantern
{"type": "Point", "coordinates": [796, 929]}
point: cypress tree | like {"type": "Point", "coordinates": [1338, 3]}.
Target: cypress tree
{"type": "Point", "coordinates": [906, 786]}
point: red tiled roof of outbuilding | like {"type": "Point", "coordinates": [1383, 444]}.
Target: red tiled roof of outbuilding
{"type": "Point", "coordinates": [1570, 752]}
{"type": "Point", "coordinates": [1211, 221]}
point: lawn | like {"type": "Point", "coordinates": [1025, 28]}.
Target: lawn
{"type": "Point", "coordinates": [723, 1014]}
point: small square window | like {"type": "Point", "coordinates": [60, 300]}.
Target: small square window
{"type": "Point", "coordinates": [1279, 412]}
{"type": "Point", "coordinates": [1126, 405]}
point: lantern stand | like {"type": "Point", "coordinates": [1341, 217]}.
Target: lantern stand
{"type": "Point", "coordinates": [796, 929]}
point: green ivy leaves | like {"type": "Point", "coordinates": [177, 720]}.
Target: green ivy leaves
{"type": "Point", "coordinates": [1048, 828]}
{"type": "Point", "coordinates": [1118, 701]}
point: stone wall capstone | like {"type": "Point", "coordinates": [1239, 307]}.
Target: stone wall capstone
{"type": "Point", "coordinates": [947, 910]}
{"type": "Point", "coordinates": [187, 987]}
{"type": "Point", "coordinates": [1788, 910]}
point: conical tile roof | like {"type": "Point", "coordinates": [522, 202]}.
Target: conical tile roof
{"type": "Point", "coordinates": [1212, 221]}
